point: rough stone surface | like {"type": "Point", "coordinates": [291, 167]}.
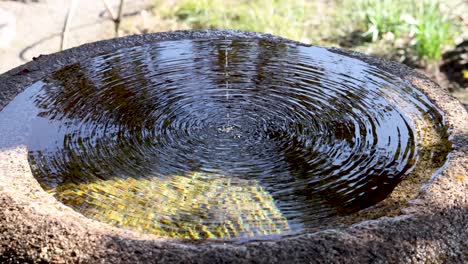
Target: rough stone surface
{"type": "Point", "coordinates": [34, 227]}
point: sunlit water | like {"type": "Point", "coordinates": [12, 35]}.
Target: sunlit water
{"type": "Point", "coordinates": [224, 138]}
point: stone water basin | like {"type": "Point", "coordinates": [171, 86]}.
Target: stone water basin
{"type": "Point", "coordinates": [220, 136]}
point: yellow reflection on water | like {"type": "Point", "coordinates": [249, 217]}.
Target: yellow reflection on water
{"type": "Point", "coordinates": [190, 206]}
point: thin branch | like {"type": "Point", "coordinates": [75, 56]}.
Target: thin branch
{"type": "Point", "coordinates": [109, 10]}
{"type": "Point", "coordinates": [118, 19]}
{"type": "Point", "coordinates": [66, 24]}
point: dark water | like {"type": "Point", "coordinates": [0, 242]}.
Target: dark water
{"type": "Point", "coordinates": [224, 138]}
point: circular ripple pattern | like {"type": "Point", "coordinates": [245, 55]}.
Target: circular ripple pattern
{"type": "Point", "coordinates": [224, 138]}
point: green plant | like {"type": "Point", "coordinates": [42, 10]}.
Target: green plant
{"type": "Point", "coordinates": [382, 16]}
{"type": "Point", "coordinates": [421, 21]}
{"type": "Point", "coordinates": [433, 30]}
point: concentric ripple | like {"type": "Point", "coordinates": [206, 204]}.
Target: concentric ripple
{"type": "Point", "coordinates": [226, 138]}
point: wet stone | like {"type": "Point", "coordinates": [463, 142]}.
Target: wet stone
{"type": "Point", "coordinates": [228, 138]}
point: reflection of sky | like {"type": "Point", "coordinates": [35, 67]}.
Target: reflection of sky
{"type": "Point", "coordinates": [16, 117]}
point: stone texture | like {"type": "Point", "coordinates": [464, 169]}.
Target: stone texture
{"type": "Point", "coordinates": [34, 227]}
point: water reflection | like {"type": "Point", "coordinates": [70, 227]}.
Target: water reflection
{"type": "Point", "coordinates": [223, 138]}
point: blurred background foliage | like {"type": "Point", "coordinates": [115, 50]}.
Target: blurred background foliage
{"type": "Point", "coordinates": [415, 32]}
{"type": "Point", "coordinates": [424, 28]}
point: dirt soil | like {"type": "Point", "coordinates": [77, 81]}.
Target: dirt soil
{"type": "Point", "coordinates": [39, 24]}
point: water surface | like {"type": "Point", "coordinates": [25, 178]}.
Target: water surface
{"type": "Point", "coordinates": [226, 138]}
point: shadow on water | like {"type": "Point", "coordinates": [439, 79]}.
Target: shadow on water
{"type": "Point", "coordinates": [226, 138]}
